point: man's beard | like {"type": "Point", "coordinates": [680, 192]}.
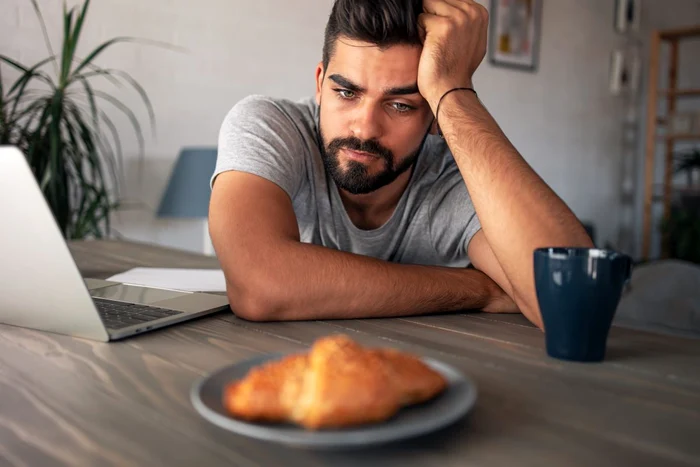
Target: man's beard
{"type": "Point", "coordinates": [356, 178]}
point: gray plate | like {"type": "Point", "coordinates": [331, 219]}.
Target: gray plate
{"type": "Point", "coordinates": [451, 405]}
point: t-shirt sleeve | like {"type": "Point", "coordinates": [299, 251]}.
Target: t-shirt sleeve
{"type": "Point", "coordinates": [259, 138]}
{"type": "Point", "coordinates": [453, 220]}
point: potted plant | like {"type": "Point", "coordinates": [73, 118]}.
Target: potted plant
{"type": "Point", "coordinates": [682, 228]}
{"type": "Point", "coordinates": [689, 162]}
{"type": "Point", "coordinates": [59, 121]}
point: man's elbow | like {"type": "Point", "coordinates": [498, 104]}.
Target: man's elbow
{"type": "Point", "coordinates": [254, 304]}
{"type": "Point", "coordinates": [529, 307]}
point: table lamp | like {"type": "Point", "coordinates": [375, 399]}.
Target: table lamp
{"type": "Point", "coordinates": [188, 192]}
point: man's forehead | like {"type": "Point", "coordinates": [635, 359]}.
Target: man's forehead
{"type": "Point", "coordinates": [345, 46]}
{"type": "Point", "coordinates": [375, 66]}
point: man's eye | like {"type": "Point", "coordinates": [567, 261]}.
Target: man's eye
{"type": "Point", "coordinates": [345, 94]}
{"type": "Point", "coordinates": [401, 107]}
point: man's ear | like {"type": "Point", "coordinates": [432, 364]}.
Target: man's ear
{"type": "Point", "coordinates": [320, 74]}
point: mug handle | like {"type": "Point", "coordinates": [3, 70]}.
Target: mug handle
{"type": "Point", "coordinates": [628, 269]}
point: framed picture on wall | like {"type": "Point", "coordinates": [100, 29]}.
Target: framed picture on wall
{"type": "Point", "coordinates": [627, 15]}
{"type": "Point", "coordinates": [625, 71]}
{"type": "Point", "coordinates": [515, 30]}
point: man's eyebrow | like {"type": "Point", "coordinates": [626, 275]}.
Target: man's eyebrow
{"type": "Point", "coordinates": [402, 90]}
{"type": "Point", "coordinates": [395, 91]}
{"type": "Point", "coordinates": [346, 83]}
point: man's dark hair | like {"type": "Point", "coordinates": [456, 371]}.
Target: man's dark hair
{"type": "Point", "coordinates": [380, 22]}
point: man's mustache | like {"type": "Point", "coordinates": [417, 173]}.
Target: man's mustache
{"type": "Point", "coordinates": [353, 143]}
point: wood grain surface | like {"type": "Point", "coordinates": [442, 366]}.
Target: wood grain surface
{"type": "Point", "coordinates": [67, 401]}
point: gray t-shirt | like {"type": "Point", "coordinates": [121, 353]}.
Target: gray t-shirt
{"type": "Point", "coordinates": [278, 140]}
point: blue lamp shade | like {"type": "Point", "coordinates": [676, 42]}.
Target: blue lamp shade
{"type": "Point", "coordinates": [188, 191]}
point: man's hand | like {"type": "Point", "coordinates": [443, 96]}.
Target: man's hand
{"type": "Point", "coordinates": [454, 45]}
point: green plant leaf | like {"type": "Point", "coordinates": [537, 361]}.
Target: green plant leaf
{"type": "Point", "coordinates": [128, 112]}
{"type": "Point", "coordinates": [24, 119]}
{"type": "Point", "coordinates": [102, 47]}
{"type": "Point", "coordinates": [97, 71]}
{"type": "Point", "coordinates": [116, 161]}
{"type": "Point", "coordinates": [27, 75]}
{"type": "Point", "coordinates": [35, 136]}
{"type": "Point", "coordinates": [85, 181]}
{"type": "Point", "coordinates": [115, 134]}
{"type": "Point", "coordinates": [112, 158]}
{"type": "Point", "coordinates": [134, 84]}
{"type": "Point", "coordinates": [92, 213]}
{"type": "Point", "coordinates": [57, 187]}
{"type": "Point", "coordinates": [67, 51]}
{"type": "Point", "coordinates": [13, 63]}
{"type": "Point", "coordinates": [79, 26]}
{"type": "Point", "coordinates": [42, 23]}
{"type": "Point", "coordinates": [91, 100]}
{"type": "Point", "coordinates": [90, 138]}
{"type": "Point", "coordinates": [37, 74]}
{"type": "Point", "coordinates": [20, 86]}
{"type": "Point", "coordinates": [116, 171]}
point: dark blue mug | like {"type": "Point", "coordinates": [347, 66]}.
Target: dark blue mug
{"type": "Point", "coordinates": [578, 290]}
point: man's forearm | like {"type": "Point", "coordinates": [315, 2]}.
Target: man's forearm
{"type": "Point", "coordinates": [296, 281]}
{"type": "Point", "coordinates": [517, 210]}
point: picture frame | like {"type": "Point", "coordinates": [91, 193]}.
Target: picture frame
{"type": "Point", "coordinates": [627, 15]}
{"type": "Point", "coordinates": [625, 71]}
{"type": "Point", "coordinates": [515, 33]}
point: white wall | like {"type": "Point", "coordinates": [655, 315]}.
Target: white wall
{"type": "Point", "coordinates": [561, 118]}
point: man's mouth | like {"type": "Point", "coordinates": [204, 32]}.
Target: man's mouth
{"type": "Point", "coordinates": [360, 155]}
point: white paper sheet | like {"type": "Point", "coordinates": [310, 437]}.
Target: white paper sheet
{"type": "Point", "coordinates": [190, 280]}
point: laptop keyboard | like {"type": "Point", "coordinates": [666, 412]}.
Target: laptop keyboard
{"type": "Point", "coordinates": [118, 315]}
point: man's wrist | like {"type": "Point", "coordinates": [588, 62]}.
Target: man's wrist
{"type": "Point", "coordinates": [453, 109]}
{"type": "Point", "coordinates": [434, 98]}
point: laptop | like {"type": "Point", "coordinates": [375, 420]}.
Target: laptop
{"type": "Point", "coordinates": [41, 287]}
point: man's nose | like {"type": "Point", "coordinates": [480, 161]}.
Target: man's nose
{"type": "Point", "coordinates": [366, 123]}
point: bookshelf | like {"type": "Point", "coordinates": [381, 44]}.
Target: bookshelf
{"type": "Point", "coordinates": [655, 122]}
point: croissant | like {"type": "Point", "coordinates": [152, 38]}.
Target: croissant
{"type": "Point", "coordinates": [337, 384]}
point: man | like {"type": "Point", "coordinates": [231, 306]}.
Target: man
{"type": "Point", "coordinates": [346, 207]}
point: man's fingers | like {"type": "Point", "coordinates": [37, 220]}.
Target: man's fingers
{"type": "Point", "coordinates": [433, 23]}
{"type": "Point", "coordinates": [441, 8]}
{"type": "Point", "coordinates": [461, 11]}
{"type": "Point", "coordinates": [470, 7]}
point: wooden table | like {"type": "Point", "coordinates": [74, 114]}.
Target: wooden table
{"type": "Point", "coordinates": [77, 402]}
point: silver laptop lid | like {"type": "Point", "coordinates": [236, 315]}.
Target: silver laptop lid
{"type": "Point", "coordinates": [40, 285]}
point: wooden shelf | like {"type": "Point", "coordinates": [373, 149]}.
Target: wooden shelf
{"type": "Point", "coordinates": [687, 190]}
{"type": "Point", "coordinates": [657, 197]}
{"type": "Point", "coordinates": [680, 92]}
{"type": "Point", "coordinates": [680, 137]}
{"type": "Point", "coordinates": [674, 34]}
{"type": "Point", "coordinates": [671, 39]}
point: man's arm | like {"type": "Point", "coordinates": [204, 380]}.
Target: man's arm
{"type": "Point", "coordinates": [517, 210]}
{"type": "Point", "coordinates": [271, 275]}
